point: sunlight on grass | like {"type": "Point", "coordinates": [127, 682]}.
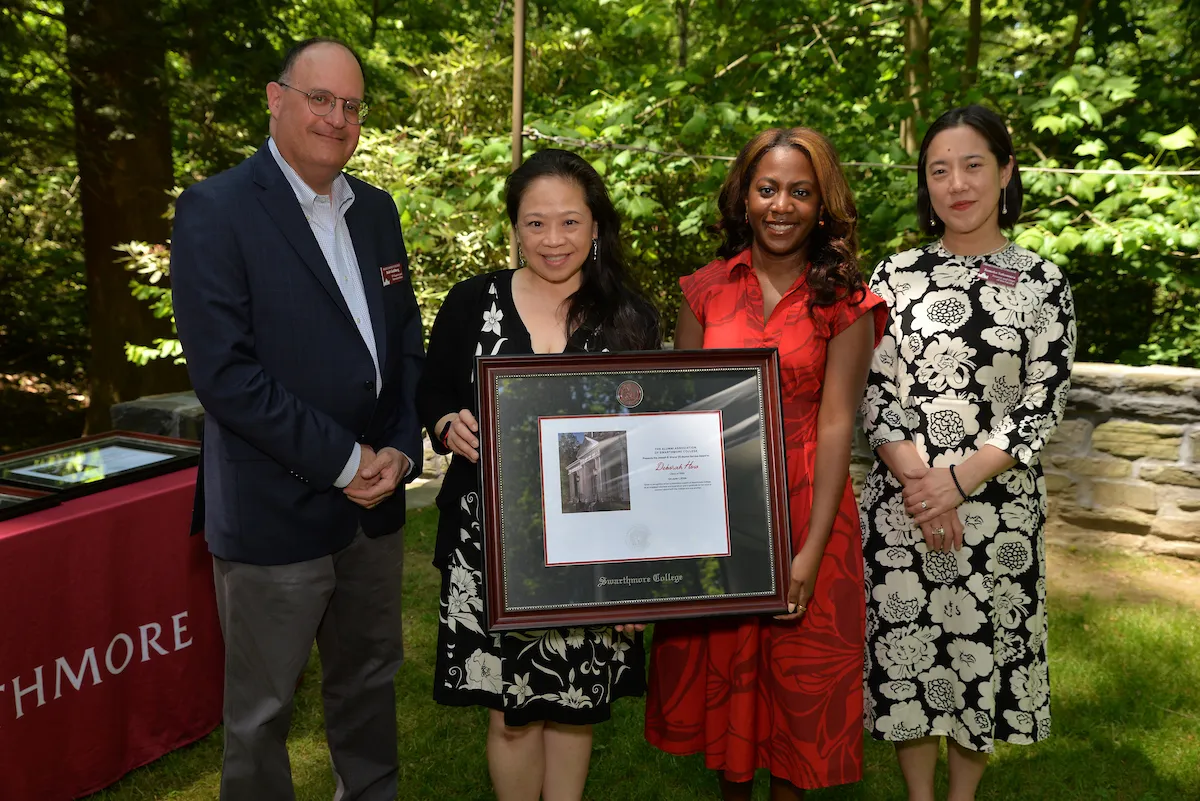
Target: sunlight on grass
{"type": "Point", "coordinates": [1126, 715]}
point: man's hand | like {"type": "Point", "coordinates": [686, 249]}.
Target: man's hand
{"type": "Point", "coordinates": [378, 476]}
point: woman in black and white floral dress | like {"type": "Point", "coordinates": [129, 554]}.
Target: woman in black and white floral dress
{"type": "Point", "coordinates": [966, 388]}
{"type": "Point", "coordinates": [546, 688]}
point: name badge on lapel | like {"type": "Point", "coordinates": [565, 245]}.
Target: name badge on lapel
{"type": "Point", "coordinates": [999, 275]}
{"type": "Point", "coordinates": [392, 274]}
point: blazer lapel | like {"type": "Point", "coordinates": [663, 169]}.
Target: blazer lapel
{"type": "Point", "coordinates": [359, 225]}
{"type": "Point", "coordinates": [279, 201]}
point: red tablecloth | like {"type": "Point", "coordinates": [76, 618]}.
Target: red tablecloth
{"type": "Point", "coordinates": [110, 647]}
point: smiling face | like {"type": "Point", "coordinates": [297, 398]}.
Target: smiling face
{"type": "Point", "coordinates": [316, 147]}
{"type": "Point", "coordinates": [784, 203]}
{"type": "Point", "coordinates": [555, 229]}
{"type": "Point", "coordinates": [965, 180]}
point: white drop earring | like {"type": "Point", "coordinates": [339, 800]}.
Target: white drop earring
{"type": "Point", "coordinates": [1003, 201]}
{"type": "Point", "coordinates": [596, 249]}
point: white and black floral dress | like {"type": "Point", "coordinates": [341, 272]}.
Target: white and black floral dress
{"type": "Point", "coordinates": [563, 675]}
{"type": "Point", "coordinates": [978, 352]}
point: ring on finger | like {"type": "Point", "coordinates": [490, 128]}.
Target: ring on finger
{"type": "Point", "coordinates": [941, 532]}
{"type": "Point", "coordinates": [924, 505]}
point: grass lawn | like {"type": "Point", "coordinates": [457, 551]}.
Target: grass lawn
{"type": "Point", "coordinates": [1126, 701]}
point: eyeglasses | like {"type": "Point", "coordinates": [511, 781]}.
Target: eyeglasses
{"type": "Point", "coordinates": [321, 102]}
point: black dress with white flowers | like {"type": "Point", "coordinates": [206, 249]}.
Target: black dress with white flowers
{"type": "Point", "coordinates": [563, 675]}
{"type": "Point", "coordinates": [978, 352]}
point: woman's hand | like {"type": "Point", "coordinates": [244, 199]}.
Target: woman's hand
{"type": "Point", "coordinates": [803, 580]}
{"type": "Point", "coordinates": [630, 627]}
{"type": "Point", "coordinates": [943, 533]}
{"type": "Point", "coordinates": [462, 437]}
{"type": "Point", "coordinates": [930, 494]}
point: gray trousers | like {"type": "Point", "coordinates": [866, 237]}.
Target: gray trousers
{"type": "Point", "coordinates": [349, 603]}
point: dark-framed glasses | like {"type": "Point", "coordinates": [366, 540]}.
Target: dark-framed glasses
{"type": "Point", "coordinates": [322, 101]}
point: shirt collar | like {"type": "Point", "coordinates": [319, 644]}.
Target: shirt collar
{"type": "Point", "coordinates": [343, 195]}
{"type": "Point", "coordinates": [741, 259]}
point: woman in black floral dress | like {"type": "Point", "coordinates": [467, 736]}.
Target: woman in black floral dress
{"type": "Point", "coordinates": [966, 388]}
{"type": "Point", "coordinates": [546, 688]}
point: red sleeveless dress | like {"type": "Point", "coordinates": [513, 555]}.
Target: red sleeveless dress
{"type": "Point", "coordinates": [755, 692]}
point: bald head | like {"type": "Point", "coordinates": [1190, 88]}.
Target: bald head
{"type": "Point", "coordinates": [315, 141]}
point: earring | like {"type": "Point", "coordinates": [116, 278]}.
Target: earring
{"type": "Point", "coordinates": [520, 257]}
{"type": "Point", "coordinates": [1003, 201]}
{"type": "Point", "coordinates": [747, 219]}
{"type": "Point", "coordinates": [596, 249]}
{"type": "Point", "coordinates": [932, 220]}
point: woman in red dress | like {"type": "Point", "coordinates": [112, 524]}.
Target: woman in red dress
{"type": "Point", "coordinates": [783, 693]}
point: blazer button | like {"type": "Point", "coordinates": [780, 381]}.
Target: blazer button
{"type": "Point", "coordinates": [368, 385]}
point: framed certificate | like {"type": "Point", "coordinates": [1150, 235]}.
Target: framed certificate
{"type": "Point", "coordinates": [15, 501]}
{"type": "Point", "coordinates": [632, 487]}
{"type": "Point", "coordinates": [91, 464]}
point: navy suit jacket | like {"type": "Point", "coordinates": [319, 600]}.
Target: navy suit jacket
{"type": "Point", "coordinates": [286, 381]}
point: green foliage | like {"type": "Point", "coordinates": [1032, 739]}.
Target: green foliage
{"type": "Point", "coordinates": [603, 77]}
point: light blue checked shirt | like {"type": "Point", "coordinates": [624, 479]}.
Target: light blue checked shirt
{"type": "Point", "coordinates": [326, 215]}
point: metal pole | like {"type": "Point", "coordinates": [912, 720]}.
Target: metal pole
{"type": "Point", "coordinates": [518, 104]}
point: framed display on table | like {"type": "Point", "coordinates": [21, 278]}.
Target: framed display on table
{"type": "Point", "coordinates": [16, 501]}
{"type": "Point", "coordinates": [96, 463]}
{"type": "Point", "coordinates": [632, 487]}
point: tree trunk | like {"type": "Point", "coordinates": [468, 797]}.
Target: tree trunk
{"type": "Point", "coordinates": [916, 72]}
{"type": "Point", "coordinates": [1081, 20]}
{"type": "Point", "coordinates": [116, 50]}
{"type": "Point", "coordinates": [974, 35]}
{"type": "Point", "coordinates": [681, 15]}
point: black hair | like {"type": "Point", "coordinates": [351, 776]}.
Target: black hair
{"type": "Point", "coordinates": [298, 49]}
{"type": "Point", "coordinates": [991, 127]}
{"type": "Point", "coordinates": [606, 301]}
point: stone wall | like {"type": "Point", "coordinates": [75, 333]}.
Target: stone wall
{"type": "Point", "coordinates": [1123, 469]}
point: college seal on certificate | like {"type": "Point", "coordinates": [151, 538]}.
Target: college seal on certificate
{"type": "Point", "coordinates": [638, 537]}
{"type": "Point", "coordinates": [629, 394]}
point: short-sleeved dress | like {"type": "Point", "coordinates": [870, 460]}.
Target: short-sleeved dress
{"type": "Point", "coordinates": [755, 692]}
{"type": "Point", "coordinates": [978, 352]}
{"type": "Point", "coordinates": [563, 675]}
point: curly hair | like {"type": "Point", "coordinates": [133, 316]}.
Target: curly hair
{"type": "Point", "coordinates": [833, 271]}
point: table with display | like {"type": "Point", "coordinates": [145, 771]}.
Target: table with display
{"type": "Point", "coordinates": [110, 653]}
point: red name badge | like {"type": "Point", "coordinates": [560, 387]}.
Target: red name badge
{"type": "Point", "coordinates": [392, 274]}
{"type": "Point", "coordinates": [999, 275]}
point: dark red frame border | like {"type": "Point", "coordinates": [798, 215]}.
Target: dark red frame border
{"type": "Point", "coordinates": [491, 368]}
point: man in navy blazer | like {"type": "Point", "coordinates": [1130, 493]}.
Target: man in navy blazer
{"type": "Point", "coordinates": [296, 311]}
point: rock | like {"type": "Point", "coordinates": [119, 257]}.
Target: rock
{"type": "Point", "coordinates": [1188, 505]}
{"type": "Point", "coordinates": [1187, 475]}
{"type": "Point", "coordinates": [1177, 528]}
{"type": "Point", "coordinates": [1195, 443]}
{"type": "Point", "coordinates": [1184, 550]}
{"type": "Point", "coordinates": [1114, 519]}
{"type": "Point", "coordinates": [1070, 438]}
{"type": "Point", "coordinates": [1125, 493]}
{"type": "Point", "coordinates": [1057, 482]}
{"type": "Point", "coordinates": [1134, 440]}
{"type": "Point", "coordinates": [1102, 377]}
{"type": "Point", "coordinates": [1178, 408]}
{"type": "Point", "coordinates": [176, 414]}
{"type": "Point", "coordinates": [1088, 401]}
{"type": "Point", "coordinates": [1095, 466]}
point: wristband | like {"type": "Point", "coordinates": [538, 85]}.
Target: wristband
{"type": "Point", "coordinates": [446, 432]}
{"type": "Point", "coordinates": [956, 484]}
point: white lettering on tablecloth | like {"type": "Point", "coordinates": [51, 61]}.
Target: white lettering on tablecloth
{"type": "Point", "coordinates": [117, 655]}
